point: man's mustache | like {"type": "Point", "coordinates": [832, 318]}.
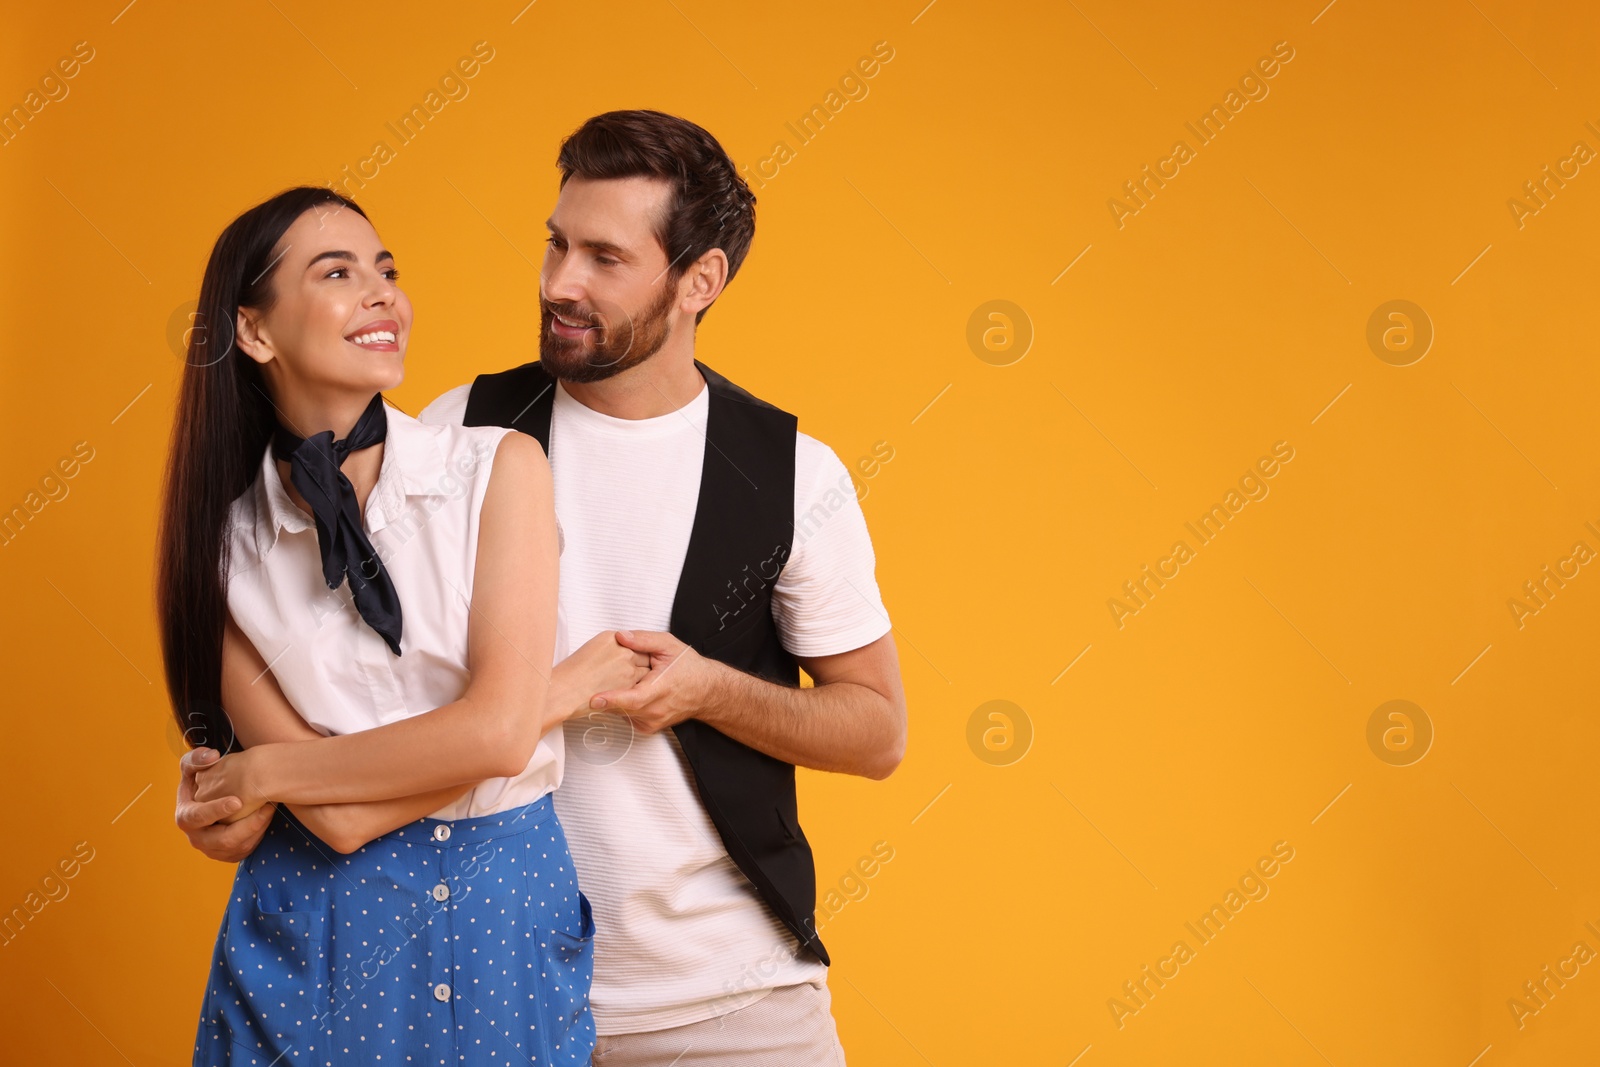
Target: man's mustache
{"type": "Point", "coordinates": [572, 313]}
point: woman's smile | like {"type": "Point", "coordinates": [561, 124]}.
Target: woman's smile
{"type": "Point", "coordinates": [380, 335]}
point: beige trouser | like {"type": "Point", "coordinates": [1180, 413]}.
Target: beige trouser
{"type": "Point", "coordinates": [789, 1027]}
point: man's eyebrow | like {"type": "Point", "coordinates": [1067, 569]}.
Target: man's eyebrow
{"type": "Point", "coordinates": [347, 257]}
{"type": "Point", "coordinates": [598, 246]}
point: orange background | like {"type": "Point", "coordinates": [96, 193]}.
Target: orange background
{"type": "Point", "coordinates": [1228, 314]}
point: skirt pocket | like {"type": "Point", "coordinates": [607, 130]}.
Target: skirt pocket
{"type": "Point", "coordinates": [560, 941]}
{"type": "Point", "coordinates": [570, 951]}
{"type": "Point", "coordinates": [278, 965]}
{"type": "Point", "coordinates": [566, 973]}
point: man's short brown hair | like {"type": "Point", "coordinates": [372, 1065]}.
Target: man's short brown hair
{"type": "Point", "coordinates": [710, 205]}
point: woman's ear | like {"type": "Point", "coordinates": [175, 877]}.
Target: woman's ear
{"type": "Point", "coordinates": [250, 337]}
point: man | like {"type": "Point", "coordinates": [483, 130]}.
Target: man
{"type": "Point", "coordinates": [733, 547]}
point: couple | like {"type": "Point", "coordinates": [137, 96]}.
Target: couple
{"type": "Point", "coordinates": [449, 821]}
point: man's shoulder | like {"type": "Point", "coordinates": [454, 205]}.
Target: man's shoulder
{"type": "Point", "coordinates": [448, 409]}
{"type": "Point", "coordinates": [504, 396]}
{"type": "Point", "coordinates": [813, 459]}
{"type": "Point", "coordinates": [521, 375]}
{"type": "Point", "coordinates": [730, 390]}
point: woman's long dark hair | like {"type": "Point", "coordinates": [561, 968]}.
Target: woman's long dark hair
{"type": "Point", "coordinates": [223, 424]}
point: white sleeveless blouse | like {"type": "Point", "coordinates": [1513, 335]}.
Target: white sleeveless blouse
{"type": "Point", "coordinates": [422, 517]}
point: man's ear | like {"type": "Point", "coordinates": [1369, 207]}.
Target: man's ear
{"type": "Point", "coordinates": [705, 279]}
{"type": "Point", "coordinates": [250, 336]}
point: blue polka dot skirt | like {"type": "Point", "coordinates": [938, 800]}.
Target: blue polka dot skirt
{"type": "Point", "coordinates": [443, 942]}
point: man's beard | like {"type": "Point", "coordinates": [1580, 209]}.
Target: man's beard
{"type": "Point", "coordinates": [622, 345]}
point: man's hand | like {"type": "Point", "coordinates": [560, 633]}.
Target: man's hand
{"type": "Point", "coordinates": [202, 822]}
{"type": "Point", "coordinates": [676, 688]}
{"type": "Point", "coordinates": [599, 665]}
{"type": "Point", "coordinates": [851, 721]}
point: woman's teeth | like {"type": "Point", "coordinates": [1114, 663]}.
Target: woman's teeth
{"type": "Point", "coordinates": [376, 337]}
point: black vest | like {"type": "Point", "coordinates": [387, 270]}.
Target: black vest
{"type": "Point", "coordinates": [742, 536]}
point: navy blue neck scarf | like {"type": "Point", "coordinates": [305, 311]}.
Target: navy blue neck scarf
{"type": "Point", "coordinates": [347, 552]}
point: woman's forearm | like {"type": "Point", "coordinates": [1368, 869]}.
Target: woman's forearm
{"type": "Point", "coordinates": [455, 745]}
{"type": "Point", "coordinates": [346, 827]}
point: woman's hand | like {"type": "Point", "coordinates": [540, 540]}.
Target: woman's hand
{"type": "Point", "coordinates": [203, 825]}
{"type": "Point", "coordinates": [234, 775]}
{"type": "Point", "coordinates": [600, 665]}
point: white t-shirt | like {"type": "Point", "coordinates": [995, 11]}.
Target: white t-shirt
{"type": "Point", "coordinates": [422, 517]}
{"type": "Point", "coordinates": [682, 935]}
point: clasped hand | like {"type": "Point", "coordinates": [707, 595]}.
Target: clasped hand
{"type": "Point", "coordinates": [679, 685]}
{"type": "Point", "coordinates": [651, 677]}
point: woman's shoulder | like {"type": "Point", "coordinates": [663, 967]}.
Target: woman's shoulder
{"type": "Point", "coordinates": [517, 461]}
{"type": "Point", "coordinates": [450, 447]}
{"type": "Point", "coordinates": [473, 464]}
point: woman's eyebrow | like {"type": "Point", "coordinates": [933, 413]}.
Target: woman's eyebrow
{"type": "Point", "coordinates": [347, 257]}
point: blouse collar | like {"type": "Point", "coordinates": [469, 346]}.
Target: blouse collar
{"type": "Point", "coordinates": [413, 465]}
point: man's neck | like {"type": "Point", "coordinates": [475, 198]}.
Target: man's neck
{"type": "Point", "coordinates": [660, 385]}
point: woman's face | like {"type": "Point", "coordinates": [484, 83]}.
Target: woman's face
{"type": "Point", "coordinates": [339, 322]}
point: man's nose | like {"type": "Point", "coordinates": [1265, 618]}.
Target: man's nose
{"type": "Point", "coordinates": [561, 286]}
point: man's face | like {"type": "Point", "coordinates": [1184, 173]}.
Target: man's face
{"type": "Point", "coordinates": [605, 300]}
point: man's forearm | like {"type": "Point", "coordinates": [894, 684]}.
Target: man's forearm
{"type": "Point", "coordinates": [841, 726]}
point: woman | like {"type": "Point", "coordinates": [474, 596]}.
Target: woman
{"type": "Point", "coordinates": [362, 610]}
